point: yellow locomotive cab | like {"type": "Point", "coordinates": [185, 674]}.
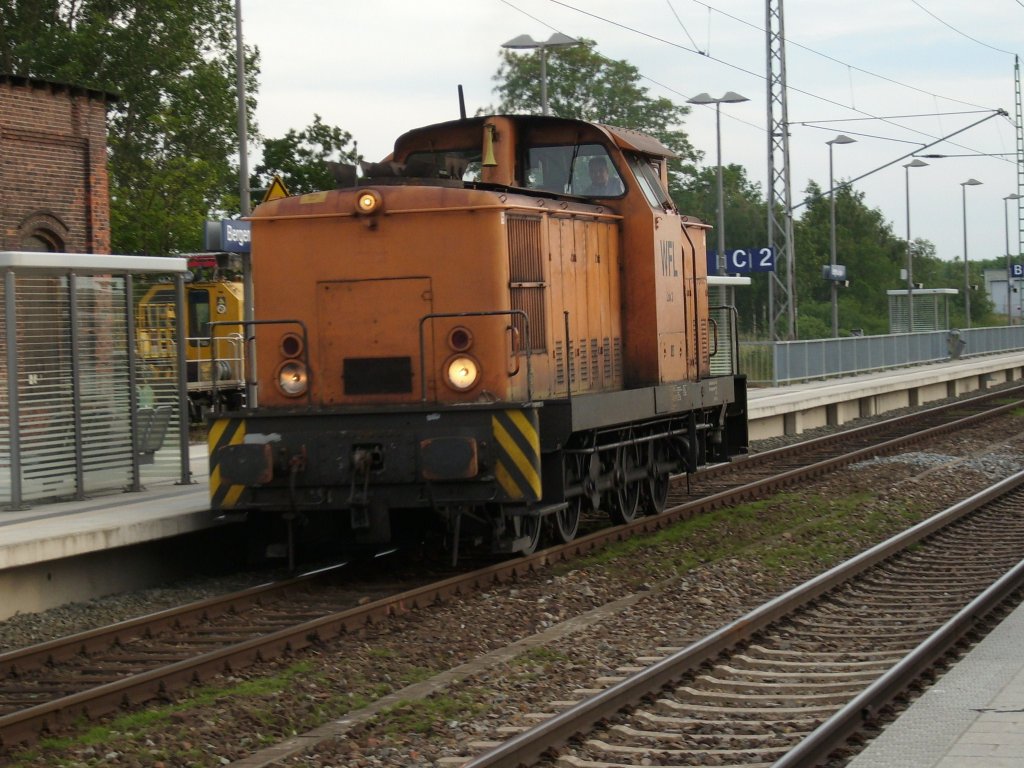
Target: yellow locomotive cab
{"type": "Point", "coordinates": [214, 355]}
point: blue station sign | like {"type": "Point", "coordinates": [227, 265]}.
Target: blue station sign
{"type": "Point", "coordinates": [235, 236]}
{"type": "Point", "coordinates": [744, 260]}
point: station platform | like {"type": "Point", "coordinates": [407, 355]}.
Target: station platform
{"type": "Point", "coordinates": [973, 717]}
{"type": "Point", "coordinates": [796, 408]}
{"type": "Point", "coordinates": [64, 551]}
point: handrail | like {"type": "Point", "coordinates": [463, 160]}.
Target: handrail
{"type": "Point", "coordinates": [304, 355]}
{"type": "Point", "coordinates": [489, 313]}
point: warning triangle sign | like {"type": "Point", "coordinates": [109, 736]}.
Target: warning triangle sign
{"type": "Point", "coordinates": [276, 191]}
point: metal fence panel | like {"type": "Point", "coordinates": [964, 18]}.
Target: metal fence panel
{"type": "Point", "coordinates": [66, 393]}
{"type": "Point", "coordinates": [784, 362]}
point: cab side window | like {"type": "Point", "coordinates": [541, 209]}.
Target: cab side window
{"type": "Point", "coordinates": [648, 180]}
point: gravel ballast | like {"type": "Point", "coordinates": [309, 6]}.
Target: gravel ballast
{"type": "Point", "coordinates": [664, 595]}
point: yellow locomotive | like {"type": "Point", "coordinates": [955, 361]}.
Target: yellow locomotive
{"type": "Point", "coordinates": [214, 355]}
{"type": "Point", "coordinates": [504, 324]}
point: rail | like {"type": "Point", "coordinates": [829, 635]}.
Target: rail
{"type": "Point", "coordinates": [27, 725]}
{"type": "Point", "coordinates": [530, 746]}
{"type": "Point", "coordinates": [224, 361]}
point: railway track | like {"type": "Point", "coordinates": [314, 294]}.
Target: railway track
{"type": "Point", "coordinates": [787, 684]}
{"type": "Point", "coordinates": [849, 446]}
{"type": "Point", "coordinates": [44, 687]}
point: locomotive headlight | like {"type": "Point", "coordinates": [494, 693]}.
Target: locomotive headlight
{"type": "Point", "coordinates": [460, 339]}
{"type": "Point", "coordinates": [292, 378]}
{"type": "Point", "coordinates": [369, 201]}
{"type": "Point", "coordinates": [462, 372]}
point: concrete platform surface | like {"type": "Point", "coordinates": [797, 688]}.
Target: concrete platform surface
{"type": "Point", "coordinates": [64, 529]}
{"type": "Point", "coordinates": [973, 717]}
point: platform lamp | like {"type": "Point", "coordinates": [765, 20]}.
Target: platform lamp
{"type": "Point", "coordinates": [840, 139]}
{"type": "Point", "coordinates": [1009, 281]}
{"type": "Point", "coordinates": [730, 97]}
{"type": "Point", "coordinates": [525, 42]}
{"type": "Point", "coordinates": [967, 264]}
{"type": "Point", "coordinates": [915, 163]}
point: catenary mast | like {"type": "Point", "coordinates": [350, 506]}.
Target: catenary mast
{"type": "Point", "coordinates": [782, 282]}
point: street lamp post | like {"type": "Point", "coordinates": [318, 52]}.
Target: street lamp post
{"type": "Point", "coordinates": [840, 139]}
{"type": "Point", "coordinates": [967, 264]}
{"type": "Point", "coordinates": [915, 163]}
{"type": "Point", "coordinates": [525, 42]}
{"type": "Point", "coordinates": [1009, 282]}
{"type": "Point", "coordinates": [730, 97]}
{"type": "Point", "coordinates": [245, 204]}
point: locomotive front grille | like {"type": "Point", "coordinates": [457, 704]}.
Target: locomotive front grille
{"type": "Point", "coordinates": [377, 375]}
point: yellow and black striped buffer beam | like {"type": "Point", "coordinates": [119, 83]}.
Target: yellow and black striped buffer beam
{"type": "Point", "coordinates": [223, 432]}
{"type": "Point", "coordinates": [517, 442]}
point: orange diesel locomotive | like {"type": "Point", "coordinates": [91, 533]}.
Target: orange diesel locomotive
{"type": "Point", "coordinates": [505, 323]}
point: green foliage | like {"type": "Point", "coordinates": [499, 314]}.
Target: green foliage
{"type": "Point", "coordinates": [422, 715]}
{"type": "Point", "coordinates": [865, 245]}
{"type": "Point", "coordinates": [173, 129]}
{"type": "Point", "coordinates": [300, 158]}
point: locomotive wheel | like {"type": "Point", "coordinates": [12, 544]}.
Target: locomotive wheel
{"type": "Point", "coordinates": [591, 475]}
{"type": "Point", "coordinates": [656, 490]}
{"type": "Point", "coordinates": [567, 521]}
{"type": "Point", "coordinates": [625, 497]}
{"type": "Point", "coordinates": [529, 526]}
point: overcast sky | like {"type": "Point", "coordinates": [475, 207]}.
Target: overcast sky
{"type": "Point", "coordinates": [893, 74]}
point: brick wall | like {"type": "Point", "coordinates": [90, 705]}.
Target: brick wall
{"type": "Point", "coordinates": [53, 167]}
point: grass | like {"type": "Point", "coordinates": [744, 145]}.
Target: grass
{"type": "Point", "coordinates": [257, 697]}
{"type": "Point", "coordinates": [422, 715]}
{"type": "Point", "coordinates": [787, 530]}
{"type": "Point", "coordinates": [792, 530]}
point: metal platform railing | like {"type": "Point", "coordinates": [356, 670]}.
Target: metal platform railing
{"type": "Point", "coordinates": [787, 362]}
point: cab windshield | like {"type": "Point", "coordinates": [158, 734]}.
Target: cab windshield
{"type": "Point", "coordinates": [573, 169]}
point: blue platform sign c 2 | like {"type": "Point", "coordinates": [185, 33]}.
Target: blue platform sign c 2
{"type": "Point", "coordinates": [1017, 270]}
{"type": "Point", "coordinates": [744, 260]}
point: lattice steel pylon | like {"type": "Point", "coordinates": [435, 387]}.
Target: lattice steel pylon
{"type": "Point", "coordinates": [1020, 162]}
{"type": "Point", "coordinates": [782, 282]}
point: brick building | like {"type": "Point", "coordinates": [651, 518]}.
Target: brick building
{"type": "Point", "coordinates": [53, 167]}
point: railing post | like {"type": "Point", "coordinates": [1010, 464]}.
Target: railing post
{"type": "Point", "coordinates": [14, 414]}
{"type": "Point", "coordinates": [76, 388]}
{"type": "Point", "coordinates": [183, 413]}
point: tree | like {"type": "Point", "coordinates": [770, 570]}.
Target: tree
{"type": "Point", "coordinates": [746, 223]}
{"type": "Point", "coordinates": [300, 159]}
{"type": "Point", "coordinates": [585, 85]}
{"type": "Point", "coordinates": [865, 245]}
{"type": "Point", "coordinates": [173, 130]}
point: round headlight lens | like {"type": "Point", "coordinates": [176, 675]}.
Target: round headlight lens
{"type": "Point", "coordinates": [291, 345]}
{"type": "Point", "coordinates": [292, 378]}
{"type": "Point", "coordinates": [463, 372]}
{"type": "Point", "coordinates": [460, 339]}
{"type": "Point", "coordinates": [368, 201]}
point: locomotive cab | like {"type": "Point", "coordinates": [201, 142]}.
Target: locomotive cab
{"type": "Point", "coordinates": [506, 323]}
